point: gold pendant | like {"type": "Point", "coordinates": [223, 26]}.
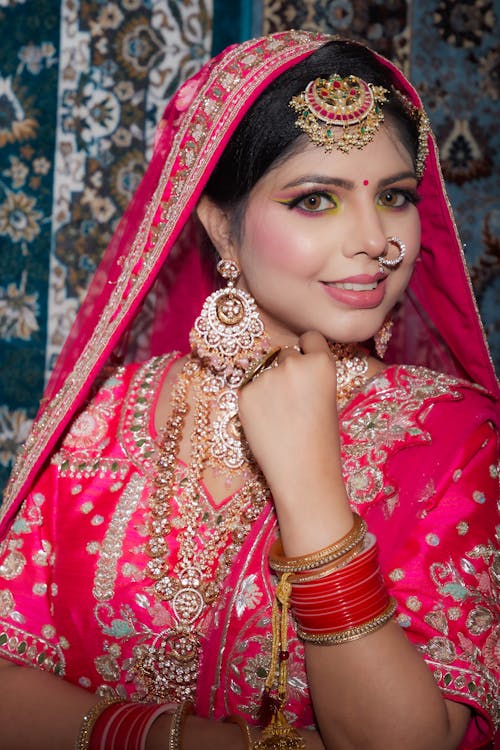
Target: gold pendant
{"type": "Point", "coordinates": [279, 735]}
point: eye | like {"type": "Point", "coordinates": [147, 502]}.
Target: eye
{"type": "Point", "coordinates": [314, 202]}
{"type": "Point", "coordinates": [396, 198]}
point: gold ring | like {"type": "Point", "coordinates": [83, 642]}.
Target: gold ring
{"type": "Point", "coordinates": [266, 361]}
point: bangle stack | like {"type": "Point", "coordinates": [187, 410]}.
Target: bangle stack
{"type": "Point", "coordinates": [114, 723]}
{"type": "Point", "coordinates": [346, 603]}
{"type": "Point", "coordinates": [337, 594]}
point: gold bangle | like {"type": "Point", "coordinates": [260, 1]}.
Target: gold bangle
{"type": "Point", "coordinates": [182, 711]}
{"type": "Point", "coordinates": [243, 725]}
{"type": "Point", "coordinates": [352, 634]}
{"type": "Point", "coordinates": [335, 551]}
{"type": "Point", "coordinates": [263, 364]}
{"type": "Point", "coordinates": [317, 574]}
{"type": "Point", "coordinates": [89, 721]}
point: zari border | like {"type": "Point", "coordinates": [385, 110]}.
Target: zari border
{"type": "Point", "coordinates": [31, 650]}
{"type": "Point", "coordinates": [267, 528]}
{"type": "Point", "coordinates": [291, 46]}
{"type": "Point", "coordinates": [112, 545]}
{"type": "Point", "coordinates": [477, 689]}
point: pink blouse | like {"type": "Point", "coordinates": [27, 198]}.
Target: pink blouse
{"type": "Point", "coordinates": [420, 465]}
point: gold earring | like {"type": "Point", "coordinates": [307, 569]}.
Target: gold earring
{"type": "Point", "coordinates": [228, 335]}
{"type": "Point", "coordinates": [382, 337]}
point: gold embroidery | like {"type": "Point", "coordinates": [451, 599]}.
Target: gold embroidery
{"type": "Point", "coordinates": [389, 417]}
{"type": "Point", "coordinates": [25, 648]}
{"type": "Point", "coordinates": [112, 545]}
{"type": "Point", "coordinates": [477, 680]}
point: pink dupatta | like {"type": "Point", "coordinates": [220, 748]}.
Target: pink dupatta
{"type": "Point", "coordinates": [151, 282]}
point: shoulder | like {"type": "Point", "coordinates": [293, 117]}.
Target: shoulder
{"type": "Point", "coordinates": [428, 394]}
{"type": "Point", "coordinates": [117, 388]}
{"type": "Point", "coordinates": [426, 382]}
{"type": "Point", "coordinates": [118, 380]}
{"type": "Point", "coordinates": [410, 430]}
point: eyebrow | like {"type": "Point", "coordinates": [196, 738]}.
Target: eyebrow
{"type": "Point", "coordinates": [347, 184]}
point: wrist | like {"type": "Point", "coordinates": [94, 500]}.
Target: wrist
{"type": "Point", "coordinates": [313, 525]}
{"type": "Point", "coordinates": [211, 735]}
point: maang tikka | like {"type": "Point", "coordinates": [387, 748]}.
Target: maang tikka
{"type": "Point", "coordinates": [340, 113]}
{"type": "Point", "coordinates": [228, 335]}
{"type": "Point", "coordinates": [343, 113]}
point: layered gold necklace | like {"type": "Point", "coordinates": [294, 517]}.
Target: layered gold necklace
{"type": "Point", "coordinates": [192, 547]}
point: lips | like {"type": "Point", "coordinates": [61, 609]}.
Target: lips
{"type": "Point", "coordinates": [358, 291]}
{"type": "Point", "coordinates": [353, 286]}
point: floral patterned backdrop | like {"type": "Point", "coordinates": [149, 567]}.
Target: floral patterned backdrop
{"type": "Point", "coordinates": [82, 84]}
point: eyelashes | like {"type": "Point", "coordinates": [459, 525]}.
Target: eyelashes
{"type": "Point", "coordinates": [313, 202]}
{"type": "Point", "coordinates": [403, 197]}
{"type": "Point", "coordinates": [320, 201]}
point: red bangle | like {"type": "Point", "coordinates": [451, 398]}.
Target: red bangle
{"type": "Point", "coordinates": [329, 589]}
{"type": "Point", "coordinates": [352, 633]}
{"type": "Point", "coordinates": [335, 623]}
{"type": "Point", "coordinates": [338, 604]}
{"type": "Point", "coordinates": [332, 601]}
{"type": "Point", "coordinates": [126, 725]}
{"type": "Point", "coordinates": [341, 608]}
{"type": "Point", "coordinates": [349, 618]}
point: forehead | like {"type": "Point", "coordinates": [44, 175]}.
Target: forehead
{"type": "Point", "coordinates": [384, 155]}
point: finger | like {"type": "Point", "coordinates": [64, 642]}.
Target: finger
{"type": "Point", "coordinates": [312, 342]}
{"type": "Point", "coordinates": [265, 363]}
{"type": "Point", "coordinates": [288, 352]}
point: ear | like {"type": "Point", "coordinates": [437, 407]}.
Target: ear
{"type": "Point", "coordinates": [216, 223]}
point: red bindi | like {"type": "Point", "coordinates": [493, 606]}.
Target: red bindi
{"type": "Point", "coordinates": [365, 182]}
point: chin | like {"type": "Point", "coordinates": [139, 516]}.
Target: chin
{"type": "Point", "coordinates": [352, 336]}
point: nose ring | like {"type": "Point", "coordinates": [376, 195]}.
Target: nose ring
{"type": "Point", "coordinates": [396, 261]}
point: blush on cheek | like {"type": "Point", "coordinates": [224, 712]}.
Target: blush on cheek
{"type": "Point", "coordinates": [272, 241]}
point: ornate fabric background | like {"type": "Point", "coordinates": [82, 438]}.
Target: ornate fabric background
{"type": "Point", "coordinates": [82, 84]}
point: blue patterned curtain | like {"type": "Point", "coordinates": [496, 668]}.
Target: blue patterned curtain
{"type": "Point", "coordinates": [82, 85]}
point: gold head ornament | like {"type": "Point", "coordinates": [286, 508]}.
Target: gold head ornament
{"type": "Point", "coordinates": [341, 113]}
{"type": "Point", "coordinates": [424, 129]}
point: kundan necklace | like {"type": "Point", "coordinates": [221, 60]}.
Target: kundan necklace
{"type": "Point", "coordinates": [191, 579]}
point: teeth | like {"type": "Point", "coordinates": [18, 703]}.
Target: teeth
{"type": "Point", "coordinates": [357, 287]}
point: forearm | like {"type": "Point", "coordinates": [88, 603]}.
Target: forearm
{"type": "Point", "coordinates": [39, 711]}
{"type": "Point", "coordinates": [377, 693]}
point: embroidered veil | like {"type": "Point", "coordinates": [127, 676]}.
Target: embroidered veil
{"type": "Point", "coordinates": [151, 282]}
{"type": "Point", "coordinates": [151, 285]}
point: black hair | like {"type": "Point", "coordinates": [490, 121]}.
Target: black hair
{"type": "Point", "coordinates": [268, 132]}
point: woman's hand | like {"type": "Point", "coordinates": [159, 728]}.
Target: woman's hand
{"type": "Point", "coordinates": [289, 416]}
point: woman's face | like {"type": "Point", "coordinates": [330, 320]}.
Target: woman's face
{"type": "Point", "coordinates": [313, 229]}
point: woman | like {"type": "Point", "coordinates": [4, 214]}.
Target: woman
{"type": "Point", "coordinates": [144, 567]}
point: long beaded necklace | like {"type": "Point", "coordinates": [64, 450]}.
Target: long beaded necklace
{"type": "Point", "coordinates": [193, 581]}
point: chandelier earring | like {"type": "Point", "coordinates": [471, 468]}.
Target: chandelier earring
{"type": "Point", "coordinates": [228, 335]}
{"type": "Point", "coordinates": [382, 337]}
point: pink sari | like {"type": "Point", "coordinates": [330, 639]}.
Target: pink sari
{"type": "Point", "coordinates": [428, 498]}
{"type": "Point", "coordinates": [418, 448]}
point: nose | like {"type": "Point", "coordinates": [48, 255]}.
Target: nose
{"type": "Point", "coordinates": [368, 234]}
